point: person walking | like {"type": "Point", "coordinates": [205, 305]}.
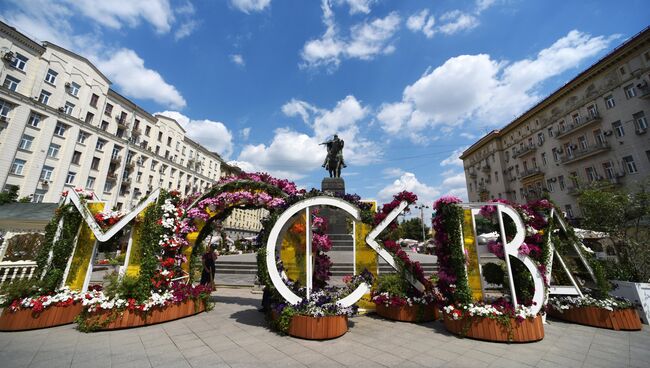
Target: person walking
{"type": "Point", "coordinates": [207, 275]}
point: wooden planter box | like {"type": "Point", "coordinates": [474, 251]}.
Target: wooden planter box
{"type": "Point", "coordinates": [491, 330]}
{"type": "Point", "coordinates": [621, 319]}
{"type": "Point", "coordinates": [26, 319]}
{"type": "Point", "coordinates": [406, 313]}
{"type": "Point", "coordinates": [318, 328]}
{"type": "Point", "coordinates": [128, 319]}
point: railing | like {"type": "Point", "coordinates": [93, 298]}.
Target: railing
{"type": "Point", "coordinates": [530, 172]}
{"type": "Point", "coordinates": [525, 150]}
{"type": "Point", "coordinates": [582, 122]}
{"type": "Point", "coordinates": [585, 152]}
{"type": "Point", "coordinates": [10, 271]}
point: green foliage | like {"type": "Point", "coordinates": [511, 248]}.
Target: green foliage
{"type": "Point", "coordinates": [604, 210]}
{"type": "Point", "coordinates": [618, 271]}
{"type": "Point", "coordinates": [19, 289]}
{"type": "Point", "coordinates": [128, 287]}
{"type": "Point", "coordinates": [392, 283]}
{"type": "Point", "coordinates": [452, 221]}
{"type": "Point", "coordinates": [25, 200]}
{"type": "Point", "coordinates": [150, 246]}
{"type": "Point", "coordinates": [10, 195]}
{"type": "Point", "coordinates": [493, 273]}
{"type": "Point", "coordinates": [412, 229]}
{"type": "Point", "coordinates": [283, 322]}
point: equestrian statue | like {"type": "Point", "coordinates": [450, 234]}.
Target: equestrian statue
{"type": "Point", "coordinates": [334, 159]}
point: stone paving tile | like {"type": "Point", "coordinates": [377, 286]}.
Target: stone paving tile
{"type": "Point", "coordinates": [234, 334]}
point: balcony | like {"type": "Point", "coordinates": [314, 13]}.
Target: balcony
{"type": "Point", "coordinates": [111, 176]}
{"type": "Point", "coordinates": [121, 123]}
{"type": "Point", "coordinates": [644, 90]}
{"type": "Point", "coordinates": [574, 190]}
{"type": "Point", "coordinates": [129, 166]}
{"type": "Point", "coordinates": [116, 160]}
{"type": "Point", "coordinates": [136, 132]}
{"type": "Point", "coordinates": [587, 152]}
{"type": "Point", "coordinates": [524, 151]}
{"type": "Point", "coordinates": [126, 182]}
{"type": "Point", "coordinates": [485, 168]}
{"type": "Point", "coordinates": [530, 172]}
{"type": "Point", "coordinates": [583, 122]}
{"type": "Point", "coordinates": [472, 174]}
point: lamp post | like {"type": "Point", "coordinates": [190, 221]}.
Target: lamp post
{"type": "Point", "coordinates": [422, 207]}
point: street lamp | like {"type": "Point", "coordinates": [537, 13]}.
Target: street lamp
{"type": "Point", "coordinates": [421, 207]}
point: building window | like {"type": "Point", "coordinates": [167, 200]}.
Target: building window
{"type": "Point", "coordinates": [169, 141]}
{"type": "Point", "coordinates": [11, 83]}
{"type": "Point", "coordinates": [159, 136]}
{"type": "Point", "coordinates": [34, 119]}
{"type": "Point", "coordinates": [70, 178]}
{"type": "Point", "coordinates": [74, 89]}
{"type": "Point", "coordinates": [591, 174]}
{"type": "Point", "coordinates": [592, 110]}
{"type": "Point", "coordinates": [599, 137]}
{"type": "Point", "coordinates": [5, 107]}
{"type": "Point", "coordinates": [100, 144]}
{"type": "Point", "coordinates": [76, 157]}
{"type": "Point", "coordinates": [609, 101]}
{"type": "Point", "coordinates": [19, 62]}
{"type": "Point", "coordinates": [569, 211]}
{"type": "Point", "coordinates": [39, 195]}
{"type": "Point", "coordinates": [549, 185]}
{"type": "Point", "coordinates": [544, 162]}
{"type": "Point", "coordinates": [562, 126]}
{"type": "Point", "coordinates": [68, 108]}
{"type": "Point", "coordinates": [46, 173]}
{"type": "Point", "coordinates": [60, 129]}
{"type": "Point", "coordinates": [53, 151]}
{"type": "Point", "coordinates": [44, 97]}
{"type": "Point", "coordinates": [26, 142]}
{"type": "Point", "coordinates": [90, 183]}
{"type": "Point", "coordinates": [640, 123]}
{"type": "Point", "coordinates": [630, 165]}
{"type": "Point", "coordinates": [618, 129]}
{"type": "Point", "coordinates": [50, 77]}
{"type": "Point", "coordinates": [116, 152]}
{"type": "Point", "coordinates": [108, 110]}
{"type": "Point", "coordinates": [95, 163]}
{"type": "Point", "coordinates": [608, 168]}
{"type": "Point", "coordinates": [556, 155]}
{"type": "Point", "coordinates": [93, 100]}
{"type": "Point", "coordinates": [540, 138]}
{"type": "Point", "coordinates": [147, 130]}
{"type": "Point", "coordinates": [560, 181]}
{"type": "Point", "coordinates": [104, 125]}
{"type": "Point", "coordinates": [576, 118]}
{"type": "Point", "coordinates": [89, 118]}
{"type": "Point", "coordinates": [108, 186]}
{"type": "Point", "coordinates": [582, 141]}
{"type": "Point", "coordinates": [138, 177]}
{"type": "Point", "coordinates": [18, 166]}
{"type": "Point", "coordinates": [81, 138]}
{"type": "Point", "coordinates": [630, 91]}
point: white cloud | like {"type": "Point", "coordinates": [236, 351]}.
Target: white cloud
{"type": "Point", "coordinates": [468, 135]}
{"type": "Point", "coordinates": [482, 5]}
{"type": "Point", "coordinates": [409, 182]}
{"type": "Point", "coordinates": [185, 29]}
{"type": "Point", "coordinates": [484, 91]}
{"type": "Point", "coordinates": [238, 59]}
{"type": "Point", "coordinates": [53, 21]}
{"type": "Point", "coordinates": [357, 6]}
{"type": "Point", "coordinates": [248, 6]}
{"type": "Point", "coordinates": [245, 133]}
{"type": "Point", "coordinates": [116, 13]}
{"type": "Point", "coordinates": [293, 154]}
{"type": "Point", "coordinates": [454, 158]}
{"type": "Point", "coordinates": [126, 69]}
{"type": "Point", "coordinates": [456, 21]}
{"type": "Point", "coordinates": [213, 135]}
{"type": "Point", "coordinates": [366, 40]}
{"type": "Point", "coordinates": [392, 172]}
{"type": "Point", "coordinates": [422, 22]}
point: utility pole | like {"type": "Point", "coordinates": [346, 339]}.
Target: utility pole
{"type": "Point", "coordinates": [422, 207]}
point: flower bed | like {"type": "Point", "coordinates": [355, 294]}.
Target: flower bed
{"type": "Point", "coordinates": [113, 319]}
{"type": "Point", "coordinates": [42, 311]}
{"type": "Point", "coordinates": [488, 329]}
{"type": "Point", "coordinates": [28, 319]}
{"type": "Point", "coordinates": [615, 314]}
{"type": "Point", "coordinates": [409, 313]}
{"type": "Point", "coordinates": [318, 328]}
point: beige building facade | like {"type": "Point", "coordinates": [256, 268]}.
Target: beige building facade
{"type": "Point", "coordinates": [62, 127]}
{"type": "Point", "coordinates": [593, 129]}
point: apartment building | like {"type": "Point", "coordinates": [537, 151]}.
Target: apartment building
{"type": "Point", "coordinates": [62, 126]}
{"type": "Point", "coordinates": [592, 129]}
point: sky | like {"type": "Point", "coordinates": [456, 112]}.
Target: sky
{"type": "Point", "coordinates": [408, 85]}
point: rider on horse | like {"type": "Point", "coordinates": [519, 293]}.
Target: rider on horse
{"type": "Point", "coordinates": [334, 150]}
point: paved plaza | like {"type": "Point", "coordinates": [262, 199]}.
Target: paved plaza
{"type": "Point", "coordinates": [235, 334]}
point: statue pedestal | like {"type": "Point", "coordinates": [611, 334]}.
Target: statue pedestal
{"type": "Point", "coordinates": [333, 186]}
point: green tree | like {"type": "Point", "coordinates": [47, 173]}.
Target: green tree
{"type": "Point", "coordinates": [412, 229]}
{"type": "Point", "coordinates": [626, 217]}
{"type": "Point", "coordinates": [9, 196]}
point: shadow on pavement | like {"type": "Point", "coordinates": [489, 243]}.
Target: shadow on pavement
{"type": "Point", "coordinates": [251, 317]}
{"type": "Point", "coordinates": [257, 303]}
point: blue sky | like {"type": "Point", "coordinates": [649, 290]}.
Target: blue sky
{"type": "Point", "coordinates": [407, 84]}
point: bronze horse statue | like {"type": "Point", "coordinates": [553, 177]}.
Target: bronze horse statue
{"type": "Point", "coordinates": [334, 159]}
